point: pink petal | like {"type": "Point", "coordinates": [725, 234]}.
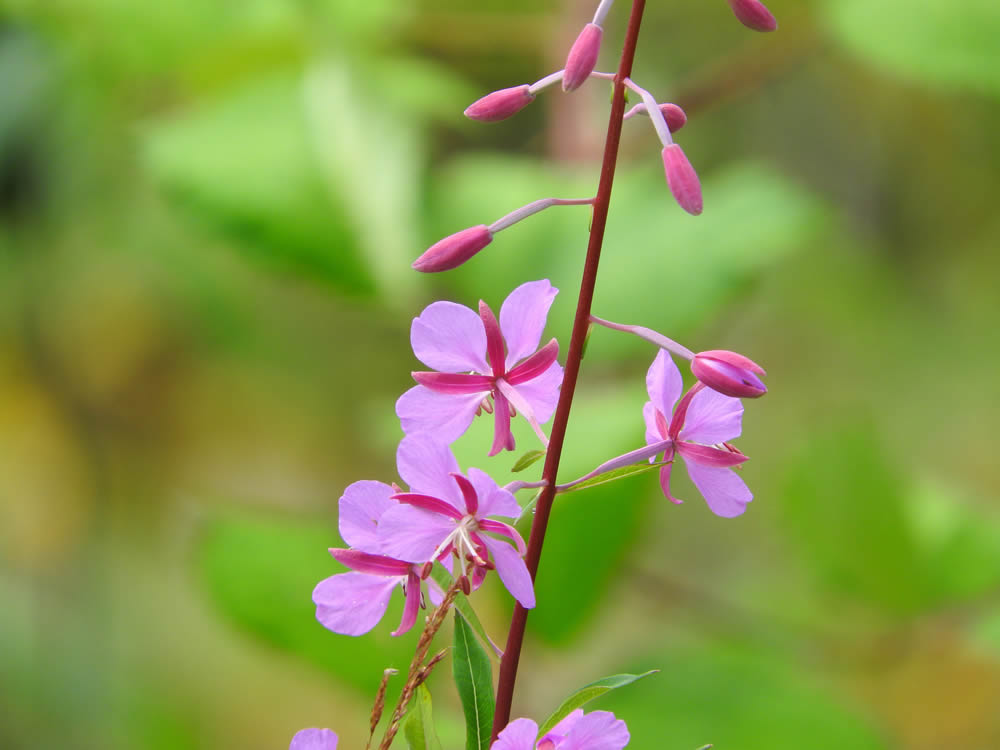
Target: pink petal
{"type": "Point", "coordinates": [412, 534]}
{"type": "Point", "coordinates": [447, 417]}
{"type": "Point", "coordinates": [653, 434]}
{"type": "Point", "coordinates": [712, 418]}
{"type": "Point", "coordinates": [454, 383]}
{"type": "Point", "coordinates": [375, 565]}
{"type": "Point", "coordinates": [560, 730]}
{"type": "Point", "coordinates": [314, 739]}
{"type": "Point", "coordinates": [534, 366]}
{"type": "Point", "coordinates": [753, 15]}
{"type": "Point", "coordinates": [493, 501]}
{"type": "Point", "coordinates": [520, 734]}
{"type": "Point", "coordinates": [582, 57]}
{"type": "Point", "coordinates": [512, 571]}
{"type": "Point", "coordinates": [429, 503]}
{"type": "Point", "coordinates": [703, 454]}
{"type": "Point", "coordinates": [598, 730]}
{"type": "Point", "coordinates": [664, 383]}
{"type": "Point", "coordinates": [542, 393]}
{"type": "Point", "coordinates": [352, 603]}
{"type": "Point", "coordinates": [723, 489]}
{"type": "Point", "coordinates": [682, 179]}
{"type": "Point", "coordinates": [665, 483]}
{"type": "Point", "coordinates": [522, 318]}
{"type": "Point", "coordinates": [450, 338]}
{"type": "Point", "coordinates": [412, 605]}
{"type": "Point", "coordinates": [453, 250]}
{"type": "Point", "coordinates": [426, 466]}
{"type": "Point", "coordinates": [361, 505]}
{"type": "Point", "coordinates": [501, 104]}
{"type": "Point", "coordinates": [503, 438]}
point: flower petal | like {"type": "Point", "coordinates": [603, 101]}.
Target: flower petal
{"type": "Point", "coordinates": [361, 505]}
{"type": "Point", "coordinates": [449, 337]}
{"type": "Point", "coordinates": [512, 571]}
{"type": "Point", "coordinates": [712, 418]}
{"type": "Point", "coordinates": [493, 501]}
{"type": "Point", "coordinates": [664, 383]}
{"type": "Point", "coordinates": [447, 417]}
{"type": "Point", "coordinates": [520, 734]}
{"type": "Point", "coordinates": [411, 606]}
{"type": "Point", "coordinates": [314, 739]}
{"type": "Point", "coordinates": [543, 392]}
{"type": "Point", "coordinates": [352, 603]}
{"type": "Point", "coordinates": [560, 730]}
{"type": "Point", "coordinates": [653, 435]}
{"type": "Point", "coordinates": [426, 466]}
{"type": "Point", "coordinates": [412, 534]}
{"type": "Point", "coordinates": [522, 318]}
{"type": "Point", "coordinates": [598, 730]}
{"type": "Point", "coordinates": [723, 489]}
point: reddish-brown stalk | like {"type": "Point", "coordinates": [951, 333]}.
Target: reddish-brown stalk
{"type": "Point", "coordinates": [515, 637]}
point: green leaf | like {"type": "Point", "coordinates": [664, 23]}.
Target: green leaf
{"type": "Point", "coordinates": [614, 475]}
{"type": "Point", "coordinates": [462, 605]}
{"type": "Point", "coordinates": [474, 680]}
{"type": "Point", "coordinates": [527, 460]}
{"type": "Point", "coordinates": [942, 44]}
{"type": "Point", "coordinates": [419, 725]}
{"type": "Point", "coordinates": [588, 693]}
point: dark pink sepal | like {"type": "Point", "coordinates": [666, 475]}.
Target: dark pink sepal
{"type": "Point", "coordinates": [364, 562]}
{"type": "Point", "coordinates": [708, 456]}
{"type": "Point", "coordinates": [454, 383]}
{"type": "Point", "coordinates": [534, 365]}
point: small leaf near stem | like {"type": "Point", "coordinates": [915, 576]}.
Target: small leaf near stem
{"type": "Point", "coordinates": [418, 729]}
{"type": "Point", "coordinates": [527, 460]}
{"type": "Point", "coordinates": [474, 680]}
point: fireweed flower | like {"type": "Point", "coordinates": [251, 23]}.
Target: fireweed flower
{"type": "Point", "coordinates": [446, 513]}
{"type": "Point", "coordinates": [698, 432]}
{"type": "Point", "coordinates": [729, 373]}
{"type": "Point", "coordinates": [598, 730]}
{"type": "Point", "coordinates": [314, 739]}
{"type": "Point", "coordinates": [467, 350]}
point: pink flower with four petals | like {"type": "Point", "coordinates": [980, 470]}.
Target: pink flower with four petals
{"type": "Point", "coordinates": [478, 360]}
{"type": "Point", "coordinates": [598, 730]}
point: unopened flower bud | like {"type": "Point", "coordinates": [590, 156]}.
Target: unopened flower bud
{"type": "Point", "coordinates": [729, 373]}
{"type": "Point", "coordinates": [582, 57]}
{"type": "Point", "coordinates": [674, 116]}
{"type": "Point", "coordinates": [682, 179]}
{"type": "Point", "coordinates": [454, 250]}
{"type": "Point", "coordinates": [753, 15]}
{"type": "Point", "coordinates": [500, 104]}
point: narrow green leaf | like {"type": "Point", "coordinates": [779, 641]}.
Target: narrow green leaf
{"type": "Point", "coordinates": [474, 680]}
{"type": "Point", "coordinates": [419, 725]}
{"type": "Point", "coordinates": [527, 460]}
{"type": "Point", "coordinates": [614, 475]}
{"type": "Point", "coordinates": [587, 693]}
{"type": "Point", "coordinates": [443, 579]}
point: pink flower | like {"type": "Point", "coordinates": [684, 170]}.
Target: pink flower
{"type": "Point", "coordinates": [729, 373]}
{"type": "Point", "coordinates": [467, 352]}
{"type": "Point", "coordinates": [453, 250]}
{"type": "Point", "coordinates": [582, 57]}
{"type": "Point", "coordinates": [354, 603]}
{"type": "Point", "coordinates": [447, 513]}
{"type": "Point", "coordinates": [753, 15]}
{"type": "Point", "coordinates": [314, 739]}
{"type": "Point", "coordinates": [698, 432]}
{"type": "Point", "coordinates": [682, 179]}
{"type": "Point", "coordinates": [598, 730]}
{"type": "Point", "coordinates": [501, 104]}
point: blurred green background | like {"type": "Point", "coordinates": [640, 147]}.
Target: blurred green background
{"type": "Point", "coordinates": [207, 215]}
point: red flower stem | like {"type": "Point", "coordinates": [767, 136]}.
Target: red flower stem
{"type": "Point", "coordinates": [515, 637]}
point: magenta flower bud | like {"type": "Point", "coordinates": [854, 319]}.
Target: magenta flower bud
{"type": "Point", "coordinates": [674, 115]}
{"type": "Point", "coordinates": [582, 57]}
{"type": "Point", "coordinates": [753, 15]}
{"type": "Point", "coordinates": [682, 179]}
{"type": "Point", "coordinates": [729, 373]}
{"type": "Point", "coordinates": [500, 104]}
{"type": "Point", "coordinates": [454, 250]}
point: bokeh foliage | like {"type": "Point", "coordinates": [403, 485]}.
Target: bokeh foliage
{"type": "Point", "coordinates": [207, 214]}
